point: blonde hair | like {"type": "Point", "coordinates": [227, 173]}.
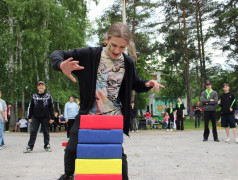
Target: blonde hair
{"type": "Point", "coordinates": [122, 31]}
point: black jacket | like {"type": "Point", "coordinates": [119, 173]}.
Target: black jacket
{"type": "Point", "coordinates": [89, 58]}
{"type": "Point", "coordinates": [226, 102]}
{"type": "Point", "coordinates": [171, 115]}
{"type": "Point", "coordinates": [41, 106]}
{"type": "Point", "coordinates": [179, 110]}
{"type": "Point", "coordinates": [133, 112]}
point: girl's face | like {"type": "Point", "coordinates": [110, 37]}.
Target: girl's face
{"type": "Point", "coordinates": [115, 47]}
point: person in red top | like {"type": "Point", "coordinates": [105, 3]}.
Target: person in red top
{"type": "Point", "coordinates": [148, 119]}
{"type": "Point", "coordinates": [197, 108]}
{"type": "Point", "coordinates": [8, 116]}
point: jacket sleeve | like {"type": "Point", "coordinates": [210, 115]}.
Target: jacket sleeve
{"type": "Point", "coordinates": [204, 98]}
{"type": "Point", "coordinates": [65, 111]}
{"type": "Point", "coordinates": [215, 99]}
{"type": "Point", "coordinates": [57, 57]}
{"type": "Point", "coordinates": [31, 108]}
{"type": "Point", "coordinates": [138, 84]}
{"type": "Point", "coordinates": [221, 101]}
{"type": "Point", "coordinates": [51, 103]}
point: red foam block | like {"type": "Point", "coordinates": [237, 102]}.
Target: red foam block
{"type": "Point", "coordinates": [98, 177]}
{"type": "Point", "coordinates": [64, 143]}
{"type": "Point", "coordinates": [101, 122]}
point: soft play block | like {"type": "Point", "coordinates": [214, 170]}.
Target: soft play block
{"type": "Point", "coordinates": [98, 177]}
{"type": "Point", "coordinates": [93, 136]}
{"type": "Point", "coordinates": [98, 166]}
{"type": "Point", "coordinates": [64, 143]}
{"type": "Point", "coordinates": [99, 151]}
{"type": "Point", "coordinates": [101, 122]}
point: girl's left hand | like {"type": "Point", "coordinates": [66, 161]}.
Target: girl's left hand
{"type": "Point", "coordinates": [154, 84]}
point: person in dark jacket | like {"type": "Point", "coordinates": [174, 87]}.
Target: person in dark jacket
{"type": "Point", "coordinates": [170, 111]}
{"type": "Point", "coordinates": [209, 99]}
{"type": "Point", "coordinates": [106, 77]}
{"type": "Point", "coordinates": [180, 115]}
{"type": "Point", "coordinates": [133, 117]}
{"type": "Point", "coordinates": [197, 108]}
{"type": "Point", "coordinates": [228, 104]}
{"type": "Point", "coordinates": [41, 112]}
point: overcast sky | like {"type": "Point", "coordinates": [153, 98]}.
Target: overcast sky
{"type": "Point", "coordinates": [217, 56]}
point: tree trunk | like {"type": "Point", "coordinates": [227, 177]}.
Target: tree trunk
{"type": "Point", "coordinates": [187, 78]}
{"type": "Point", "coordinates": [203, 53]}
{"type": "Point", "coordinates": [199, 51]}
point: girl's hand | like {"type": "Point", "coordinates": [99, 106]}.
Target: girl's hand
{"type": "Point", "coordinates": [154, 84]}
{"type": "Point", "coordinates": [68, 66]}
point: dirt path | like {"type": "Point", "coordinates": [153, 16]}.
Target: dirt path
{"type": "Point", "coordinates": [152, 155]}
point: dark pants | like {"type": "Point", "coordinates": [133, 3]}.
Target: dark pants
{"type": "Point", "coordinates": [179, 122]}
{"type": "Point", "coordinates": [197, 120]}
{"type": "Point", "coordinates": [71, 148]}
{"type": "Point", "coordinates": [54, 124]}
{"type": "Point", "coordinates": [207, 116]}
{"type": "Point", "coordinates": [63, 124]}
{"type": "Point", "coordinates": [34, 129]}
{"type": "Point", "coordinates": [70, 124]}
{"type": "Point", "coordinates": [7, 123]}
{"type": "Point", "coordinates": [23, 129]}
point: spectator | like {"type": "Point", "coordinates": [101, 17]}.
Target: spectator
{"type": "Point", "coordinates": [161, 122]}
{"type": "Point", "coordinates": [236, 117]}
{"type": "Point", "coordinates": [228, 104]}
{"type": "Point", "coordinates": [149, 119]}
{"type": "Point", "coordinates": [77, 102]}
{"type": "Point", "coordinates": [71, 109]}
{"type": "Point", "coordinates": [3, 118]}
{"type": "Point", "coordinates": [166, 120]}
{"type": "Point", "coordinates": [170, 111]}
{"type": "Point", "coordinates": [179, 115]}
{"type": "Point", "coordinates": [41, 112]}
{"type": "Point", "coordinates": [197, 108]}
{"type": "Point", "coordinates": [8, 116]}
{"type": "Point", "coordinates": [133, 117]}
{"type": "Point", "coordinates": [62, 122]}
{"type": "Point", "coordinates": [55, 123]}
{"type": "Point", "coordinates": [22, 123]}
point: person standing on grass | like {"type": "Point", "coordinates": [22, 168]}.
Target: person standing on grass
{"type": "Point", "coordinates": [209, 99]}
{"type": "Point", "coordinates": [41, 111]}
{"type": "Point", "coordinates": [228, 104]}
{"type": "Point", "coordinates": [197, 108]}
{"type": "Point", "coordinates": [8, 116]}
{"type": "Point", "coordinates": [133, 117]}
{"type": "Point", "coordinates": [106, 77]}
{"type": "Point", "coordinates": [3, 118]}
{"type": "Point", "coordinates": [71, 110]}
{"type": "Point", "coordinates": [179, 115]}
{"type": "Point", "coordinates": [170, 111]}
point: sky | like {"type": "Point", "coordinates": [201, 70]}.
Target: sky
{"type": "Point", "coordinates": [217, 56]}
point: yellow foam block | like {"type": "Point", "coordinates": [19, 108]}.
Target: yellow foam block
{"type": "Point", "coordinates": [98, 166]}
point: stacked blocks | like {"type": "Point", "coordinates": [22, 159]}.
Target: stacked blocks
{"type": "Point", "coordinates": [99, 149]}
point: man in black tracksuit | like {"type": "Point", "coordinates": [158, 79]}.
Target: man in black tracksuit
{"type": "Point", "coordinates": [41, 112]}
{"type": "Point", "coordinates": [228, 104]}
{"type": "Point", "coordinates": [180, 115]}
{"type": "Point", "coordinates": [209, 99]}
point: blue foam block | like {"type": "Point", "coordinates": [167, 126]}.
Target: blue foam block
{"type": "Point", "coordinates": [91, 136]}
{"type": "Point", "coordinates": [99, 151]}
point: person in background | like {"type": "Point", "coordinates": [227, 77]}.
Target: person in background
{"type": "Point", "coordinates": [3, 119]}
{"type": "Point", "coordinates": [133, 117]}
{"type": "Point", "coordinates": [22, 123]}
{"type": "Point", "coordinates": [197, 108]}
{"type": "Point", "coordinates": [41, 112]}
{"type": "Point", "coordinates": [228, 104]}
{"type": "Point", "coordinates": [166, 120]}
{"type": "Point", "coordinates": [55, 123]}
{"type": "Point", "coordinates": [170, 111]}
{"type": "Point", "coordinates": [71, 109]}
{"type": "Point", "coordinates": [180, 114]}
{"type": "Point", "coordinates": [149, 119]}
{"type": "Point", "coordinates": [62, 122]}
{"type": "Point", "coordinates": [77, 102]}
{"type": "Point", "coordinates": [209, 99]}
{"type": "Point", "coordinates": [8, 117]}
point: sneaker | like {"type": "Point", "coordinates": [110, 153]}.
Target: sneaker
{"type": "Point", "coordinates": [236, 140]}
{"type": "Point", "coordinates": [137, 131]}
{"type": "Point", "coordinates": [7, 131]}
{"type": "Point", "coordinates": [171, 129]}
{"type": "Point", "coordinates": [132, 131]}
{"type": "Point", "coordinates": [167, 129]}
{"type": "Point", "coordinates": [216, 140]}
{"type": "Point", "coordinates": [47, 149]}
{"type": "Point", "coordinates": [228, 140]}
{"type": "Point", "coordinates": [0, 147]}
{"type": "Point", "coordinates": [65, 177]}
{"type": "Point", "coordinates": [28, 149]}
{"type": "Point", "coordinates": [204, 140]}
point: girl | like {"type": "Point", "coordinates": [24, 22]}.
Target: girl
{"type": "Point", "coordinates": [106, 77]}
{"type": "Point", "coordinates": [170, 111]}
{"type": "Point", "coordinates": [166, 119]}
